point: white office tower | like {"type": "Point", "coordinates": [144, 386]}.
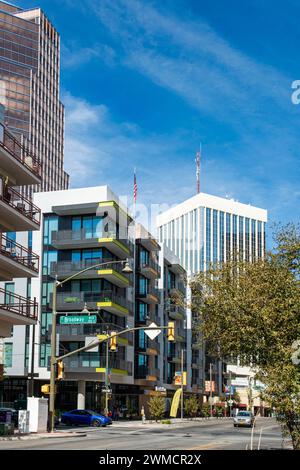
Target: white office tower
{"type": "Point", "coordinates": [207, 229]}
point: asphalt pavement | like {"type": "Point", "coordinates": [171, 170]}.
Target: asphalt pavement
{"type": "Point", "coordinates": [193, 435]}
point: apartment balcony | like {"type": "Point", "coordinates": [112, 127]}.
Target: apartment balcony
{"type": "Point", "coordinates": [147, 373]}
{"type": "Point", "coordinates": [17, 213]}
{"type": "Point", "coordinates": [106, 300]}
{"type": "Point", "coordinates": [151, 244]}
{"type": "Point", "coordinates": [16, 260]}
{"type": "Point", "coordinates": [21, 167]}
{"type": "Point", "coordinates": [153, 349]}
{"type": "Point", "coordinates": [152, 296]}
{"type": "Point", "coordinates": [80, 332]}
{"type": "Point", "coordinates": [86, 364]}
{"type": "Point", "coordinates": [174, 359]}
{"type": "Point", "coordinates": [179, 289]}
{"type": "Point", "coordinates": [180, 336]}
{"type": "Point", "coordinates": [67, 239]}
{"type": "Point", "coordinates": [150, 269]}
{"type": "Point", "coordinates": [112, 272]}
{"type": "Point", "coordinates": [16, 310]}
{"type": "Point", "coordinates": [177, 312]}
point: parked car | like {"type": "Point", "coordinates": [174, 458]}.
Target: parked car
{"type": "Point", "coordinates": [244, 418]}
{"type": "Point", "coordinates": [85, 418]}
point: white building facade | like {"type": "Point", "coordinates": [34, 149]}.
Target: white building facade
{"type": "Point", "coordinates": [204, 230]}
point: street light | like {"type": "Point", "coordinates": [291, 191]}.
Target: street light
{"type": "Point", "coordinates": [126, 270]}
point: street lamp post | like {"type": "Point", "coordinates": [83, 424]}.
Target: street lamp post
{"type": "Point", "coordinates": [56, 284]}
{"type": "Point", "coordinates": [106, 380]}
{"type": "Point", "coordinates": [210, 393]}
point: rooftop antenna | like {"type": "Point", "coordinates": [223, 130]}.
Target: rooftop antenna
{"type": "Point", "coordinates": [198, 156]}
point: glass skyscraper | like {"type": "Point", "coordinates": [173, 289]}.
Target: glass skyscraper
{"type": "Point", "coordinates": [29, 88]}
{"type": "Point", "coordinates": [204, 230]}
{"type": "Point", "coordinates": [207, 229]}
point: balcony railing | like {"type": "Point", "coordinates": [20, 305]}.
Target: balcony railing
{"type": "Point", "coordinates": [150, 264]}
{"type": "Point", "coordinates": [15, 303]}
{"type": "Point", "coordinates": [79, 298]}
{"type": "Point", "coordinates": [21, 204]}
{"type": "Point", "coordinates": [18, 253]}
{"type": "Point", "coordinates": [88, 361]}
{"type": "Point", "coordinates": [19, 152]}
{"type": "Point", "coordinates": [67, 268]}
{"type": "Point", "coordinates": [150, 291]}
{"type": "Point", "coordinates": [85, 235]}
{"type": "Point", "coordinates": [70, 331]}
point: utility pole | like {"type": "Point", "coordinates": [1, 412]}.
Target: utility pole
{"type": "Point", "coordinates": [106, 380]}
{"type": "Point", "coordinates": [53, 360]}
{"type": "Point", "coordinates": [210, 381]}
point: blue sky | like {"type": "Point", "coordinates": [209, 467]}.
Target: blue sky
{"type": "Point", "coordinates": [144, 82]}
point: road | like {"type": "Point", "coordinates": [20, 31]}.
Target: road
{"type": "Point", "coordinates": [217, 434]}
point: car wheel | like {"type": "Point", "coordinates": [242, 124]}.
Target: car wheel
{"type": "Point", "coordinates": [96, 423]}
{"type": "Point", "coordinates": [68, 422]}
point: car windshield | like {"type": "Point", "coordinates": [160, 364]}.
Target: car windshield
{"type": "Point", "coordinates": [244, 413]}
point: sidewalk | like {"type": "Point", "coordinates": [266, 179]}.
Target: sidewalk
{"type": "Point", "coordinates": [43, 435]}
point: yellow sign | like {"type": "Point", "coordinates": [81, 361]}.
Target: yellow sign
{"type": "Point", "coordinates": [177, 379]}
{"type": "Point", "coordinates": [175, 403]}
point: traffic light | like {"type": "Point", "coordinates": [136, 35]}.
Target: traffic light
{"type": "Point", "coordinates": [171, 332]}
{"type": "Point", "coordinates": [45, 389]}
{"type": "Point", "coordinates": [113, 341]}
{"type": "Point", "coordinates": [60, 370]}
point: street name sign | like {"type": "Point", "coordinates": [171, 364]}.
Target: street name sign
{"type": "Point", "coordinates": [78, 319]}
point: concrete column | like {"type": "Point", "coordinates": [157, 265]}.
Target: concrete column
{"type": "Point", "coordinates": [81, 395]}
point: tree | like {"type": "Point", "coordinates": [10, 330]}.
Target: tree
{"type": "Point", "coordinates": [157, 407]}
{"type": "Point", "coordinates": [191, 406]}
{"type": "Point", "coordinates": [252, 311]}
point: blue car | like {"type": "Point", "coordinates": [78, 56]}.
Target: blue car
{"type": "Point", "coordinates": [84, 418]}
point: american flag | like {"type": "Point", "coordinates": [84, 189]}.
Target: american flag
{"type": "Point", "coordinates": [135, 188]}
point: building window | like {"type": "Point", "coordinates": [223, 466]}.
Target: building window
{"type": "Point", "coordinates": [247, 239]}
{"type": "Point", "coordinates": [241, 238]}
{"type": "Point", "coordinates": [208, 237]}
{"type": "Point", "coordinates": [234, 237]}
{"type": "Point", "coordinates": [142, 342]}
{"type": "Point", "coordinates": [144, 257]}
{"type": "Point", "coordinates": [228, 237]}
{"type": "Point", "coordinates": [215, 236]}
{"type": "Point", "coordinates": [259, 239]}
{"type": "Point", "coordinates": [50, 225]}
{"type": "Point", "coordinates": [8, 354]}
{"type": "Point", "coordinates": [253, 239]}
{"type": "Point", "coordinates": [9, 291]}
{"type": "Point", "coordinates": [142, 311]}
{"type": "Point", "coordinates": [143, 285]}
{"type": "Point", "coordinates": [221, 237]}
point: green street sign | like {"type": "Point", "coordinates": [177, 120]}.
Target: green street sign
{"type": "Point", "coordinates": [77, 319]}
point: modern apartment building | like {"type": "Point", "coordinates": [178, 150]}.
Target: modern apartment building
{"type": "Point", "coordinates": [30, 89]}
{"type": "Point", "coordinates": [17, 213]}
{"type": "Point", "coordinates": [147, 301]}
{"type": "Point", "coordinates": [204, 230]}
{"type": "Point", "coordinates": [81, 228]}
{"type": "Point", "coordinates": [172, 285]}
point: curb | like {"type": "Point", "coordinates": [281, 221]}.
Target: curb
{"type": "Point", "coordinates": [29, 437]}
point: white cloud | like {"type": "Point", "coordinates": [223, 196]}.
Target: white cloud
{"type": "Point", "coordinates": [74, 56]}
